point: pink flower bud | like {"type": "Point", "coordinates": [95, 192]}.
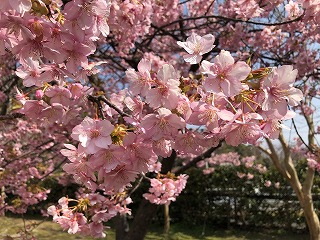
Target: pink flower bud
{"type": "Point", "coordinates": [39, 94]}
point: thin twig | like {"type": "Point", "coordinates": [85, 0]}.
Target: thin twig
{"type": "Point", "coordinates": [11, 116]}
{"type": "Point", "coordinates": [135, 187]}
{"type": "Point", "coordinates": [110, 104]}
{"type": "Point", "coordinates": [304, 143]}
{"type": "Point", "coordinates": [193, 162]}
{"type": "Point", "coordinates": [55, 168]}
{"type": "Point", "coordinates": [97, 101]}
{"type": "Point", "coordinates": [232, 20]}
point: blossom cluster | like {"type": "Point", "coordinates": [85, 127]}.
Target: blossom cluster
{"type": "Point", "coordinates": [229, 101]}
{"type": "Point", "coordinates": [70, 213]}
{"type": "Point", "coordinates": [164, 190]}
{"type": "Point", "coordinates": [24, 166]}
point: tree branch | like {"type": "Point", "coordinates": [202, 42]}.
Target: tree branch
{"type": "Point", "coordinates": [197, 159]}
{"type": "Point", "coordinates": [11, 116]}
{"type": "Point", "coordinates": [275, 159]}
{"type": "Point", "coordinates": [233, 20]}
{"type": "Point", "coordinates": [304, 143]}
{"type": "Point", "coordinates": [110, 104]}
{"type": "Point", "coordinates": [53, 170]}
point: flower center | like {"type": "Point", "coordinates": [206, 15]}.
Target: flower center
{"type": "Point", "coordinates": [94, 133]}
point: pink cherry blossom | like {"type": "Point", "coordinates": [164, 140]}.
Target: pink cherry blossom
{"type": "Point", "coordinates": [93, 134]}
{"type": "Point", "coordinates": [166, 91]}
{"type": "Point", "coordinates": [189, 142]}
{"type": "Point", "coordinates": [164, 124]}
{"type": "Point", "coordinates": [58, 94]}
{"type": "Point", "coordinates": [31, 74]}
{"type": "Point", "coordinates": [118, 178]}
{"type": "Point", "coordinates": [39, 94]}
{"type": "Point", "coordinates": [162, 147]}
{"type": "Point", "coordinates": [33, 108]}
{"type": "Point", "coordinates": [293, 9]}
{"type": "Point", "coordinates": [107, 159]}
{"type": "Point", "coordinates": [150, 109]}
{"type": "Point", "coordinates": [53, 113]}
{"type": "Point", "coordinates": [244, 128]}
{"type": "Point", "coordinates": [75, 53]}
{"type": "Point", "coordinates": [140, 81]}
{"type": "Point", "coordinates": [135, 146]}
{"type": "Point", "coordinates": [278, 90]}
{"type": "Point", "coordinates": [206, 114]}
{"type": "Point", "coordinates": [224, 74]}
{"type": "Point", "coordinates": [165, 190]}
{"type": "Point", "coordinates": [73, 153]}
{"type": "Point", "coordinates": [196, 46]}
{"type": "Point", "coordinates": [267, 183]}
{"type": "Point", "coordinates": [20, 6]}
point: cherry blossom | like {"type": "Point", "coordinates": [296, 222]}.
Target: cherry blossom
{"type": "Point", "coordinates": [224, 74]}
{"type": "Point", "coordinates": [141, 80]}
{"type": "Point", "coordinates": [164, 124]}
{"type": "Point", "coordinates": [278, 90]}
{"type": "Point", "coordinates": [196, 46]}
{"type": "Point", "coordinates": [93, 134]}
{"type": "Point", "coordinates": [165, 190]}
{"type": "Point", "coordinates": [166, 91]}
{"type": "Point", "coordinates": [293, 9]}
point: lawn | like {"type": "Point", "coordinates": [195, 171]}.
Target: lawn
{"type": "Point", "coordinates": [47, 230]}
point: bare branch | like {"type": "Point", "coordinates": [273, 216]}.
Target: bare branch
{"type": "Point", "coordinates": [110, 104]}
{"type": "Point", "coordinates": [304, 143]}
{"type": "Point", "coordinates": [55, 169]}
{"type": "Point", "coordinates": [197, 159]}
{"type": "Point", "coordinates": [266, 151]}
{"type": "Point", "coordinates": [97, 101]}
{"type": "Point", "coordinates": [233, 20]}
{"type": "Point", "coordinates": [11, 116]}
{"type": "Point", "coordinates": [275, 159]}
{"type": "Point", "coordinates": [132, 190]}
{"type": "Point", "coordinates": [308, 182]}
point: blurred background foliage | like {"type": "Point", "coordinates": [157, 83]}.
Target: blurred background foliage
{"type": "Point", "coordinates": [222, 199]}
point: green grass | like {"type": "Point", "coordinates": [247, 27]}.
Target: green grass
{"type": "Point", "coordinates": [182, 232]}
{"type": "Point", "coordinates": [47, 230]}
{"type": "Point", "coordinates": [43, 230]}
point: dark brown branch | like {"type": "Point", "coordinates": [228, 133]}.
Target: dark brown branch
{"type": "Point", "coordinates": [55, 169]}
{"type": "Point", "coordinates": [132, 190]}
{"type": "Point", "coordinates": [208, 9]}
{"type": "Point", "coordinates": [300, 137]}
{"type": "Point", "coordinates": [193, 162]}
{"type": "Point", "coordinates": [232, 20]}
{"type": "Point", "coordinates": [159, 29]}
{"type": "Point", "coordinates": [11, 116]}
{"type": "Point", "coordinates": [110, 104]}
{"type": "Point", "coordinates": [96, 100]}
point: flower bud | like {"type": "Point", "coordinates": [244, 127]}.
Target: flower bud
{"type": "Point", "coordinates": [39, 94]}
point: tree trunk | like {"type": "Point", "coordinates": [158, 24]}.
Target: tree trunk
{"type": "Point", "coordinates": [312, 222]}
{"type": "Point", "coordinates": [304, 195]}
{"type": "Point", "coordinates": [302, 190]}
{"type": "Point", "coordinates": [166, 219]}
{"type": "Point", "coordinates": [122, 226]}
{"type": "Point", "coordinates": [141, 221]}
{"type": "Point", "coordinates": [311, 217]}
{"type": "Point", "coordinates": [146, 210]}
